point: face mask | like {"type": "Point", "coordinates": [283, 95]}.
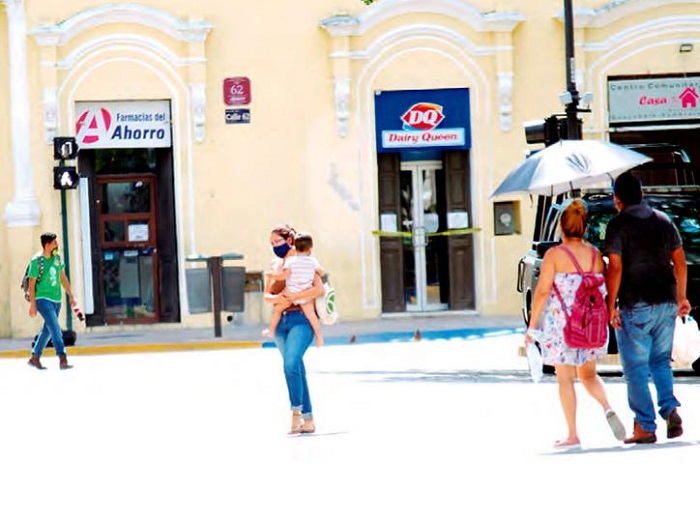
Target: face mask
{"type": "Point", "coordinates": [54, 251]}
{"type": "Point", "coordinates": [282, 250]}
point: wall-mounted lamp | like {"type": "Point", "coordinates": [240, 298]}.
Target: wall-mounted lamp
{"type": "Point", "coordinates": [685, 47]}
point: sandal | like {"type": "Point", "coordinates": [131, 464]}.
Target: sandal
{"type": "Point", "coordinates": [297, 424]}
{"type": "Point", "coordinates": [566, 444]}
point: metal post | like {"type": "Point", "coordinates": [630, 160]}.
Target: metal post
{"type": "Point", "coordinates": [572, 107]}
{"type": "Point", "coordinates": [215, 267]}
{"type": "Point", "coordinates": [66, 256]}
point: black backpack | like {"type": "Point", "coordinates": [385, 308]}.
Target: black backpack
{"type": "Point", "coordinates": [25, 279]}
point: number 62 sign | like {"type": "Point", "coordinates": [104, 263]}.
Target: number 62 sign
{"type": "Point", "coordinates": [237, 91]}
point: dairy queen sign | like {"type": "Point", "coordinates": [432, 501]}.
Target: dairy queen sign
{"type": "Point", "coordinates": [437, 119]}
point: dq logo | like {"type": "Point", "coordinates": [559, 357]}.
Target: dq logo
{"type": "Point", "coordinates": [92, 125]}
{"type": "Point", "coordinates": [422, 116]}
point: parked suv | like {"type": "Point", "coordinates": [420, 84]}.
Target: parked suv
{"type": "Point", "coordinates": [670, 165]}
{"type": "Point", "coordinates": [680, 203]}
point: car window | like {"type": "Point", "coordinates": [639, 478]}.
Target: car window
{"type": "Point", "coordinates": [686, 216]}
{"type": "Point", "coordinates": [597, 226]}
{"type": "Point", "coordinates": [684, 212]}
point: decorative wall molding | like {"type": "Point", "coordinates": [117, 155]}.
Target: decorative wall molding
{"type": "Point", "coordinates": [342, 105]}
{"type": "Point", "coordinates": [616, 10]}
{"type": "Point", "coordinates": [645, 31]}
{"type": "Point", "coordinates": [344, 24]}
{"type": "Point", "coordinates": [198, 95]}
{"type": "Point", "coordinates": [51, 37]}
{"type": "Point", "coordinates": [460, 10]}
{"type": "Point", "coordinates": [341, 25]}
{"type": "Point", "coordinates": [505, 100]}
{"type": "Point", "coordinates": [119, 41]}
{"type": "Point", "coordinates": [429, 31]}
{"type": "Point", "coordinates": [61, 33]}
{"type": "Point", "coordinates": [50, 108]}
{"type": "Point", "coordinates": [344, 28]}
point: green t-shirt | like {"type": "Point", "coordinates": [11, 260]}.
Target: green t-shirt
{"type": "Point", "coordinates": [49, 287]}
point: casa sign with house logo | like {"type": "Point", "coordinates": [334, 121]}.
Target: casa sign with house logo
{"type": "Point", "coordinates": [636, 101]}
{"type": "Point", "coordinates": [433, 119]}
{"type": "Point", "coordinates": [123, 124]}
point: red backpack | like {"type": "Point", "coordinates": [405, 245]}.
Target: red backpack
{"type": "Point", "coordinates": [587, 322]}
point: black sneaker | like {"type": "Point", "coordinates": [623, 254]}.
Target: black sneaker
{"type": "Point", "coordinates": [674, 425]}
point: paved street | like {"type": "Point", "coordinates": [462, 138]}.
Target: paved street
{"type": "Point", "coordinates": [447, 428]}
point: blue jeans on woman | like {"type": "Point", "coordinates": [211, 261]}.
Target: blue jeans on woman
{"type": "Point", "coordinates": [293, 336]}
{"type": "Point", "coordinates": [645, 343]}
{"type": "Point", "coordinates": [52, 329]}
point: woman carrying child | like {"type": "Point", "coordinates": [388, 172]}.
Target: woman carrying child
{"type": "Point", "coordinates": [294, 333]}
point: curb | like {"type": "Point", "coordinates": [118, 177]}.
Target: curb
{"type": "Point", "coordinates": [349, 339]}
{"type": "Point", "coordinates": [140, 348]}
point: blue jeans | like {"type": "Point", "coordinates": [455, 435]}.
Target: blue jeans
{"type": "Point", "coordinates": [645, 343]}
{"type": "Point", "coordinates": [49, 311]}
{"type": "Point", "coordinates": [293, 336]}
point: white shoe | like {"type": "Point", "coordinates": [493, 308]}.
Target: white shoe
{"type": "Point", "coordinates": [616, 425]}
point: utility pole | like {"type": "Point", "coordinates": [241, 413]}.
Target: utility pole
{"type": "Point", "coordinates": [573, 128]}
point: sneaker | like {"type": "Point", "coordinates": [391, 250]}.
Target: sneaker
{"type": "Point", "coordinates": [641, 436]}
{"type": "Point", "coordinates": [616, 425]}
{"type": "Point", "coordinates": [674, 425]}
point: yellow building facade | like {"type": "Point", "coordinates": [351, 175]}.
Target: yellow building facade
{"type": "Point", "coordinates": [380, 129]}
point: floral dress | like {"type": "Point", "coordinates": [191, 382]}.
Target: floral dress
{"type": "Point", "coordinates": [554, 350]}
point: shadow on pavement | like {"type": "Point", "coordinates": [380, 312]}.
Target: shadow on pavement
{"type": "Point", "coordinates": [459, 376]}
{"type": "Point", "coordinates": [474, 376]}
{"type": "Point", "coordinates": [316, 434]}
{"type": "Point", "coordinates": [624, 448]}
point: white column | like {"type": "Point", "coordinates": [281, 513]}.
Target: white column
{"type": "Point", "coordinates": [23, 210]}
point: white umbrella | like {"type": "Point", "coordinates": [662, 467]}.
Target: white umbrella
{"type": "Point", "coordinates": [569, 165]}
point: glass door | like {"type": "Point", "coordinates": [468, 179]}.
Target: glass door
{"type": "Point", "coordinates": [423, 217]}
{"type": "Point", "coordinates": [129, 263]}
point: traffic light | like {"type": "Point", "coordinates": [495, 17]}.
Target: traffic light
{"type": "Point", "coordinates": [544, 131]}
{"type": "Point", "coordinates": [65, 148]}
{"type": "Point", "coordinates": [65, 178]}
{"type": "Point", "coordinates": [548, 131]}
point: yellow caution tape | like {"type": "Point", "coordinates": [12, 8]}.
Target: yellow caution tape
{"type": "Point", "coordinates": [451, 232]}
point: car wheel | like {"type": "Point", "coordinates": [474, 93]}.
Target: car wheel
{"type": "Point", "coordinates": [696, 366]}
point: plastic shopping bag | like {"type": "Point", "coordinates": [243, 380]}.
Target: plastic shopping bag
{"type": "Point", "coordinates": [534, 360]}
{"type": "Point", "coordinates": [686, 341]}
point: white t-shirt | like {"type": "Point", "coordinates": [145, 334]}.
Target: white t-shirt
{"type": "Point", "coordinates": [302, 270]}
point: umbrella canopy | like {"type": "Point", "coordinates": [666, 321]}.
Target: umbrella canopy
{"type": "Point", "coordinates": [569, 165]}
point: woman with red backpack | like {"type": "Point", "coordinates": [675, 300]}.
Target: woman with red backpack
{"type": "Point", "coordinates": [570, 299]}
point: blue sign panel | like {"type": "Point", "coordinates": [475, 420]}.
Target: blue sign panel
{"type": "Point", "coordinates": [236, 116]}
{"type": "Point", "coordinates": [422, 119]}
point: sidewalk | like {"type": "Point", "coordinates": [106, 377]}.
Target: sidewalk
{"type": "Point", "coordinates": [164, 337]}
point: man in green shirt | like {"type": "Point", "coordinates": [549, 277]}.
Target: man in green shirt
{"type": "Point", "coordinates": [46, 275]}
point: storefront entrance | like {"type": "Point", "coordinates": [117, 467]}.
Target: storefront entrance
{"type": "Point", "coordinates": [422, 210]}
{"type": "Point", "coordinates": [126, 206]}
{"type": "Point", "coordinates": [128, 212]}
{"type": "Point", "coordinates": [426, 246]}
